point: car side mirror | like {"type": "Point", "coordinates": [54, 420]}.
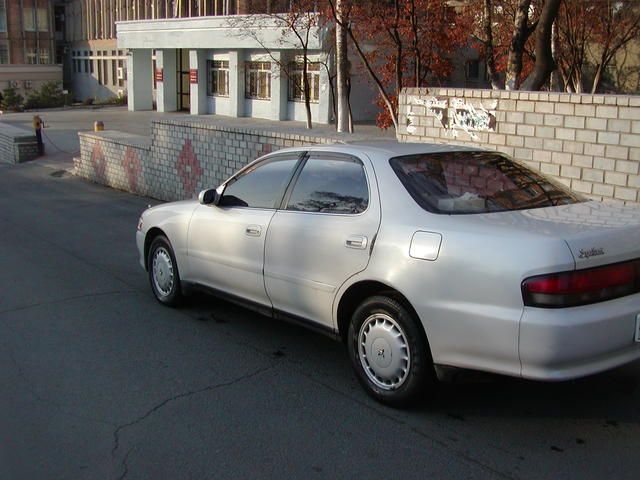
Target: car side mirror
{"type": "Point", "coordinates": [209, 196]}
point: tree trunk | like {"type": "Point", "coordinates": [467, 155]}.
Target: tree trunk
{"type": "Point", "coordinates": [544, 58]}
{"type": "Point", "coordinates": [305, 87]}
{"type": "Point", "coordinates": [597, 79]}
{"type": "Point", "coordinates": [516, 49]}
{"type": "Point", "coordinates": [342, 74]}
{"type": "Point", "coordinates": [489, 54]}
{"type": "Point", "coordinates": [415, 42]}
{"type": "Point", "coordinates": [556, 77]}
{"type": "Point", "coordinates": [398, 41]}
{"type": "Point", "coordinates": [349, 104]}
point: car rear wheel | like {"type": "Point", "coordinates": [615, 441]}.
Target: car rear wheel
{"type": "Point", "coordinates": [389, 352]}
{"type": "Point", "coordinates": [163, 272]}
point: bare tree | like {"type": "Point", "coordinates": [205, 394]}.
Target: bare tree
{"type": "Point", "coordinates": [618, 25]}
{"type": "Point", "coordinates": [301, 20]}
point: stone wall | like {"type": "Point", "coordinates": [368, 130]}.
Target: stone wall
{"type": "Point", "coordinates": [590, 143]}
{"type": "Point", "coordinates": [17, 145]}
{"type": "Point", "coordinates": [181, 157]}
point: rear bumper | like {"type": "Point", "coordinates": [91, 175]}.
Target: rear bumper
{"type": "Point", "coordinates": [566, 343]}
{"type": "Point", "coordinates": [140, 244]}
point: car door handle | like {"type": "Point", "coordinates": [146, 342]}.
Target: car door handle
{"type": "Point", "coordinates": [253, 230]}
{"type": "Point", "coordinates": [357, 241]}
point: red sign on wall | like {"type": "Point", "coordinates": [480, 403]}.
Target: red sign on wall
{"type": "Point", "coordinates": [159, 75]}
{"type": "Point", "coordinates": [193, 76]}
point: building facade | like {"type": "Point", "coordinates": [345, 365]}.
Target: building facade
{"type": "Point", "coordinates": [28, 30]}
{"type": "Point", "coordinates": [229, 57]}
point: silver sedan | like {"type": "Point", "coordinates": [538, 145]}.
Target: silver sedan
{"type": "Point", "coordinates": [417, 256]}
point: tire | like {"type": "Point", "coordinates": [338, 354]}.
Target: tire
{"type": "Point", "coordinates": [402, 371]}
{"type": "Point", "coordinates": [163, 272]}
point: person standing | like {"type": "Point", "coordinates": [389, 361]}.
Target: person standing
{"type": "Point", "coordinates": [38, 125]}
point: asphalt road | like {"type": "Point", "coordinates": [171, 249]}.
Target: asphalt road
{"type": "Point", "coordinates": [99, 381]}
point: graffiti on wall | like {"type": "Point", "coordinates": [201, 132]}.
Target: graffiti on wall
{"type": "Point", "coordinates": [455, 115]}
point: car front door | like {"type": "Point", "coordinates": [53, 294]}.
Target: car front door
{"type": "Point", "coordinates": [226, 241]}
{"type": "Point", "coordinates": [322, 236]}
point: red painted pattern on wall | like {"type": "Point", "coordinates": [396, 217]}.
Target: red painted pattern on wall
{"type": "Point", "coordinates": [99, 162]}
{"type": "Point", "coordinates": [133, 168]}
{"type": "Point", "coordinates": [266, 148]}
{"type": "Point", "coordinates": [189, 169]}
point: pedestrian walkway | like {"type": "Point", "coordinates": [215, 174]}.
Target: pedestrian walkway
{"type": "Point", "coordinates": [62, 126]}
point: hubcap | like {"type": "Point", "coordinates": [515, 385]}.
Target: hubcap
{"type": "Point", "coordinates": [384, 351]}
{"type": "Point", "coordinates": [162, 271]}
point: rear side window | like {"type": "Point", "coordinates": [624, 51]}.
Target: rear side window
{"type": "Point", "coordinates": [261, 186]}
{"type": "Point", "coordinates": [330, 185]}
{"type": "Point", "coordinates": [476, 182]}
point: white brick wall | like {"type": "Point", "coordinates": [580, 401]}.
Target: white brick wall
{"type": "Point", "coordinates": [151, 166]}
{"type": "Point", "coordinates": [588, 142]}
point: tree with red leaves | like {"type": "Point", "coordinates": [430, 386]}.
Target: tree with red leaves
{"type": "Point", "coordinates": [403, 43]}
{"type": "Point", "coordinates": [503, 33]}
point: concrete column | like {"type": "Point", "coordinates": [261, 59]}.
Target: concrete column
{"type": "Point", "coordinates": [236, 83]}
{"type": "Point", "coordinates": [324, 98]}
{"type": "Point", "coordinates": [167, 90]}
{"type": "Point", "coordinates": [139, 80]}
{"type": "Point", "coordinates": [278, 87]}
{"type": "Point", "coordinates": [198, 91]}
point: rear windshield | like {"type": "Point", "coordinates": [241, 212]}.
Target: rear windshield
{"type": "Point", "coordinates": [476, 182]}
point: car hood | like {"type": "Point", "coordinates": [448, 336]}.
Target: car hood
{"type": "Point", "coordinates": [596, 233]}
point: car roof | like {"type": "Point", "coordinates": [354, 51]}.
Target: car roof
{"type": "Point", "coordinates": [388, 148]}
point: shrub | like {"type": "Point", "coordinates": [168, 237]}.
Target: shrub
{"type": "Point", "coordinates": [117, 100]}
{"type": "Point", "coordinates": [11, 100]}
{"type": "Point", "coordinates": [49, 96]}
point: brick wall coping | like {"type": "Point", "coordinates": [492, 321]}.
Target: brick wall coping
{"type": "Point", "coordinates": [581, 98]}
{"type": "Point", "coordinates": [18, 135]}
{"type": "Point", "coordinates": [280, 130]}
{"type": "Point", "coordinates": [120, 138]}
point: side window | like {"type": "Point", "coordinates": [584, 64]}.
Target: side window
{"type": "Point", "coordinates": [330, 186]}
{"type": "Point", "coordinates": [261, 186]}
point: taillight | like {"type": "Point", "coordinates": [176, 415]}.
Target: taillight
{"type": "Point", "coordinates": [582, 287]}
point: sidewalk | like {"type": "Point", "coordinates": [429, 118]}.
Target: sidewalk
{"type": "Point", "coordinates": [62, 127]}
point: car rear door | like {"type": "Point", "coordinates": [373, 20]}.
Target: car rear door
{"type": "Point", "coordinates": [322, 235]}
{"type": "Point", "coordinates": [226, 241]}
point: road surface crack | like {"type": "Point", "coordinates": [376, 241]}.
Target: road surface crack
{"type": "Point", "coordinates": [68, 299]}
{"type": "Point", "coordinates": [125, 465]}
{"type": "Point", "coordinates": [165, 402]}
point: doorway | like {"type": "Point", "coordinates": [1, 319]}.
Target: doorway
{"type": "Point", "coordinates": [184, 86]}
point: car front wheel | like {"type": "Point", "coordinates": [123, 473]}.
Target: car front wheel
{"type": "Point", "coordinates": [163, 272]}
{"type": "Point", "coordinates": [389, 352]}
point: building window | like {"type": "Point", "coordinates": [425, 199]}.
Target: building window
{"type": "Point", "coordinates": [218, 77]}
{"type": "Point", "coordinates": [32, 57]}
{"type": "Point", "coordinates": [105, 68]}
{"type": "Point", "coordinates": [114, 72]}
{"type": "Point", "coordinates": [87, 63]}
{"type": "Point", "coordinates": [43, 20]}
{"type": "Point", "coordinates": [258, 80]}
{"type": "Point", "coordinates": [28, 18]}
{"type": "Point", "coordinates": [3, 17]}
{"type": "Point", "coordinates": [123, 75]}
{"type": "Point", "coordinates": [296, 92]}
{"type": "Point", "coordinates": [58, 18]}
{"type": "Point", "coordinates": [4, 54]}
{"type": "Point", "coordinates": [43, 56]}
{"type": "Point", "coordinates": [473, 69]}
